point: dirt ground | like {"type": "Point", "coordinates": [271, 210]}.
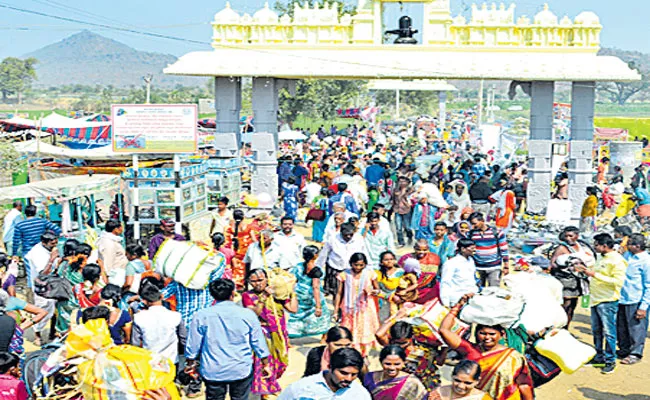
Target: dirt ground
{"type": "Point", "coordinates": [626, 383]}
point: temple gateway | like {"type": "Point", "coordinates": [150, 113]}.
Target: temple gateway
{"type": "Point", "coordinates": [317, 43]}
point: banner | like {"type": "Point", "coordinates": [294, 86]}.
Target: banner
{"type": "Point", "coordinates": [154, 128]}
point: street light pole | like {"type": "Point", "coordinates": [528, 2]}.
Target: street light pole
{"type": "Point", "coordinates": [147, 81]}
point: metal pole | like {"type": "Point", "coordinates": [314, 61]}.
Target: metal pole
{"type": "Point", "coordinates": [178, 195]}
{"type": "Point", "coordinates": [136, 200]}
{"type": "Point", "coordinates": [479, 118]}
{"type": "Point", "coordinates": [397, 101]}
{"type": "Point", "coordinates": [38, 138]}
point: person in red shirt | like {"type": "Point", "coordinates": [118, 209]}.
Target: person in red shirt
{"type": "Point", "coordinates": [11, 387]}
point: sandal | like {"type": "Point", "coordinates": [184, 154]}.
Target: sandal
{"type": "Point", "coordinates": [630, 360]}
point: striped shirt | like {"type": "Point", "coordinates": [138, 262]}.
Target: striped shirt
{"type": "Point", "coordinates": [28, 233]}
{"type": "Point", "coordinates": [491, 250]}
{"type": "Point", "coordinates": [191, 301]}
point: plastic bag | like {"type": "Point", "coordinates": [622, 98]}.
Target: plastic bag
{"type": "Point", "coordinates": [282, 282]}
{"type": "Point", "coordinates": [493, 306]}
{"type": "Point", "coordinates": [565, 350]}
{"type": "Point", "coordinates": [125, 372]}
{"type": "Point", "coordinates": [426, 320]}
{"type": "Point", "coordinates": [543, 298]}
{"type": "Point", "coordinates": [188, 264]}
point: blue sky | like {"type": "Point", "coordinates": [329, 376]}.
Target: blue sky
{"type": "Point", "coordinates": [625, 21]}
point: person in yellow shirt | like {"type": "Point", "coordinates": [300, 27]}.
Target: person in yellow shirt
{"type": "Point", "coordinates": [607, 278]}
{"type": "Point", "coordinates": [626, 205]}
{"type": "Point", "coordinates": [589, 211]}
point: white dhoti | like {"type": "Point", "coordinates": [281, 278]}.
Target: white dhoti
{"type": "Point", "coordinates": [47, 305]}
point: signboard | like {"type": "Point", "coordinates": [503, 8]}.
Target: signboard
{"type": "Point", "coordinates": [154, 128]}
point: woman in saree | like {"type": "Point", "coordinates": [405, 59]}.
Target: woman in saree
{"type": "Point", "coordinates": [88, 292]}
{"type": "Point", "coordinates": [218, 242]}
{"type": "Point", "coordinates": [421, 358]}
{"type": "Point", "coordinates": [392, 383]}
{"type": "Point", "coordinates": [506, 206]}
{"type": "Point", "coordinates": [355, 302]}
{"type": "Point", "coordinates": [504, 372]}
{"type": "Point", "coordinates": [318, 227]}
{"type": "Point", "coordinates": [271, 313]}
{"type": "Point", "coordinates": [75, 256]}
{"type": "Point", "coordinates": [318, 358]}
{"type": "Point", "coordinates": [312, 317]}
{"type": "Point", "coordinates": [238, 238]}
{"type": "Point", "coordinates": [388, 278]}
{"type": "Point", "coordinates": [289, 196]}
{"type": "Point", "coordinates": [465, 377]}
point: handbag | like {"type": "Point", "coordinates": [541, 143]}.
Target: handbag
{"type": "Point", "coordinates": [316, 215]}
{"type": "Point", "coordinates": [53, 287]}
{"type": "Point", "coordinates": [542, 369]}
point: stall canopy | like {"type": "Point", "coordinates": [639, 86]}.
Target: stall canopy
{"type": "Point", "coordinates": [291, 135]}
{"type": "Point", "coordinates": [62, 188]}
{"type": "Point", "coordinates": [611, 134]}
{"type": "Point", "coordinates": [100, 153]}
{"type": "Point", "coordinates": [78, 131]}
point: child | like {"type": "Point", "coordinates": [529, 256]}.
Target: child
{"type": "Point", "coordinates": [407, 290]}
{"type": "Point", "coordinates": [156, 328]}
{"type": "Point", "coordinates": [11, 387]}
{"type": "Point", "coordinates": [388, 279]}
{"type": "Point", "coordinates": [358, 311]}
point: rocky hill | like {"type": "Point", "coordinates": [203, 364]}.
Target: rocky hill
{"type": "Point", "coordinates": [87, 58]}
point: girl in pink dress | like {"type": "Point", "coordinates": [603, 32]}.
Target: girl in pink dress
{"type": "Point", "coordinates": [354, 300]}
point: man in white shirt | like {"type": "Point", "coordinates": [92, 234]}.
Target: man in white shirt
{"type": "Point", "coordinates": [312, 190]}
{"type": "Point", "coordinates": [112, 253]}
{"type": "Point", "coordinates": [459, 274]}
{"type": "Point", "coordinates": [289, 244]}
{"type": "Point", "coordinates": [335, 256]}
{"type": "Point", "coordinates": [157, 328]}
{"type": "Point", "coordinates": [330, 228]}
{"type": "Point", "coordinates": [221, 217]}
{"type": "Point", "coordinates": [14, 216]}
{"type": "Point", "coordinates": [254, 259]}
{"type": "Point", "coordinates": [377, 240]}
{"type": "Point", "coordinates": [42, 258]}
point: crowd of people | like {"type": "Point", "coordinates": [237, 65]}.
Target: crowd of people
{"type": "Point", "coordinates": [386, 234]}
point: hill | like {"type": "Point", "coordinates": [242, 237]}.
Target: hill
{"type": "Point", "coordinates": [87, 58]}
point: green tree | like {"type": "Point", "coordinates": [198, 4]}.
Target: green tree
{"type": "Point", "coordinates": [621, 92]}
{"type": "Point", "coordinates": [107, 98]}
{"type": "Point", "coordinates": [16, 75]}
{"type": "Point", "coordinates": [321, 98]}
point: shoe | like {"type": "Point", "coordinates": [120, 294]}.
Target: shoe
{"type": "Point", "coordinates": [609, 368]}
{"type": "Point", "coordinates": [631, 360]}
{"type": "Point", "coordinates": [194, 395]}
{"type": "Point", "coordinates": [597, 362]}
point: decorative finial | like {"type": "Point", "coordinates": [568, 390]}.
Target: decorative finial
{"type": "Point", "coordinates": [545, 6]}
{"type": "Point", "coordinates": [228, 4]}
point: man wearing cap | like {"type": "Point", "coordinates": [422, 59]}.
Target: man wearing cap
{"type": "Point", "coordinates": [167, 227]}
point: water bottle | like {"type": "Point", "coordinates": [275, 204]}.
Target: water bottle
{"type": "Point", "coordinates": [585, 301]}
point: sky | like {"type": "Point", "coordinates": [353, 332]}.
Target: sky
{"type": "Point", "coordinates": [625, 21]}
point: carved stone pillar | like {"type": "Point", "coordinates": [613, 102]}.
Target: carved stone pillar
{"type": "Point", "coordinates": [227, 101]}
{"type": "Point", "coordinates": [442, 113]}
{"type": "Point", "coordinates": [540, 146]}
{"type": "Point", "coordinates": [264, 178]}
{"type": "Point", "coordinates": [583, 97]}
{"type": "Point", "coordinates": [266, 105]}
